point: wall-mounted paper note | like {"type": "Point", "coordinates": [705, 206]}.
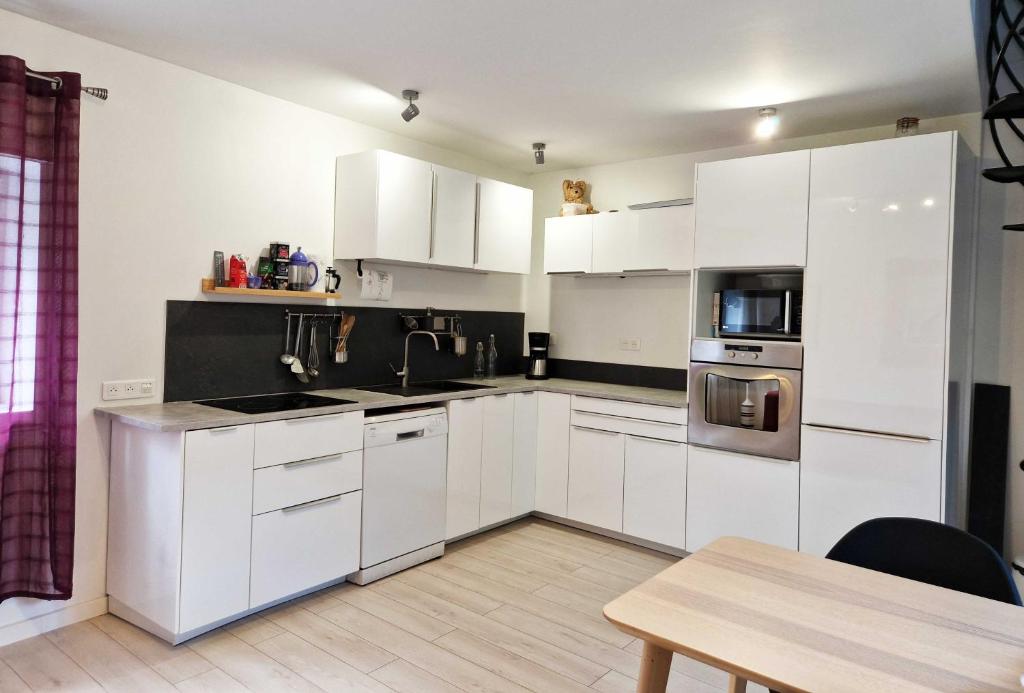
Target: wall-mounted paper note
{"type": "Point", "coordinates": [377, 285]}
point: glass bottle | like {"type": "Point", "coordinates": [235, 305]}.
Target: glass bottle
{"type": "Point", "coordinates": [478, 361]}
{"type": "Point", "coordinates": [492, 360]}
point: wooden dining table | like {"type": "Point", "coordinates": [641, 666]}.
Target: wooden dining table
{"type": "Point", "coordinates": [796, 622]}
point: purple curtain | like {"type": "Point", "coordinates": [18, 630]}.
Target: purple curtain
{"type": "Point", "coordinates": [38, 330]}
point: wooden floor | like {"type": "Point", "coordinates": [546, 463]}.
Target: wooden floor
{"type": "Point", "coordinates": [518, 608]}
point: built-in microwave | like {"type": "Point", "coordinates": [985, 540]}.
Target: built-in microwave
{"type": "Point", "coordinates": [758, 313]}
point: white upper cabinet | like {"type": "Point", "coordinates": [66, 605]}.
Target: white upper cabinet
{"type": "Point", "coordinates": [453, 225]}
{"type": "Point", "coordinates": [568, 244]}
{"type": "Point", "coordinates": [647, 240]}
{"type": "Point", "coordinates": [752, 212]}
{"type": "Point", "coordinates": [664, 240]}
{"type": "Point", "coordinates": [875, 291]}
{"type": "Point", "coordinates": [505, 227]}
{"type": "Point", "coordinates": [383, 207]}
{"type": "Point", "coordinates": [393, 208]}
{"type": "Point", "coordinates": [615, 242]}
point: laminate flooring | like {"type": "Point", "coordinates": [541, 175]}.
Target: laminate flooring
{"type": "Point", "coordinates": [515, 609]}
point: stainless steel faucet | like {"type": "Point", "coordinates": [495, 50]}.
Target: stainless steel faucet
{"type": "Point", "coordinates": [404, 373]}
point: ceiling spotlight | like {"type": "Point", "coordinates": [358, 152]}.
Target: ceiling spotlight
{"type": "Point", "coordinates": [412, 110]}
{"type": "Point", "coordinates": [767, 123]}
{"type": "Point", "coordinates": [538, 153]}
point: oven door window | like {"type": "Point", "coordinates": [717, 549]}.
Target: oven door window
{"type": "Point", "coordinates": [752, 404]}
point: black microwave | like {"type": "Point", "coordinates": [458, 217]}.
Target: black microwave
{"type": "Point", "coordinates": [758, 313]}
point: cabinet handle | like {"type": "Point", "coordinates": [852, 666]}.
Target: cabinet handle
{"type": "Point", "coordinates": [310, 504]}
{"type": "Point", "coordinates": [869, 434]}
{"type": "Point", "coordinates": [310, 419]}
{"type": "Point", "coordinates": [223, 429]}
{"type": "Point", "coordinates": [311, 460]}
{"type": "Point", "coordinates": [619, 417]}
{"type": "Point", "coordinates": [410, 434]}
{"type": "Point", "coordinates": [597, 430]}
{"type": "Point", "coordinates": [433, 214]}
{"type": "Point", "coordinates": [476, 227]}
{"type": "Point", "coordinates": [656, 440]}
{"type": "Point", "coordinates": [649, 269]}
{"type": "Point", "coordinates": [569, 272]}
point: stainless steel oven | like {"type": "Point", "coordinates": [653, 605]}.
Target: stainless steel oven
{"type": "Point", "coordinates": [745, 396]}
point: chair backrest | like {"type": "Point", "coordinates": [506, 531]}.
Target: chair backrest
{"type": "Point", "coordinates": [929, 552]}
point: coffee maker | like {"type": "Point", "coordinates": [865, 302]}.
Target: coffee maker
{"type": "Point", "coordinates": [538, 368]}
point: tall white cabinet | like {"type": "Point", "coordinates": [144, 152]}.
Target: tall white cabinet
{"type": "Point", "coordinates": [886, 295]}
{"type": "Point", "coordinates": [876, 287]}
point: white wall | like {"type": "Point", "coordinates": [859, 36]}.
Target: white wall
{"type": "Point", "coordinates": [586, 316]}
{"type": "Point", "coordinates": [174, 166]}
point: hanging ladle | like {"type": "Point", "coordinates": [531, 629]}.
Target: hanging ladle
{"type": "Point", "coordinates": [287, 357]}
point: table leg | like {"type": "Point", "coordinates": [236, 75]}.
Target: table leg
{"type": "Point", "coordinates": [654, 667]}
{"type": "Point", "coordinates": [736, 684]}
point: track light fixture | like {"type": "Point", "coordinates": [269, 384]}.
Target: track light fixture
{"type": "Point", "coordinates": [412, 110]}
{"type": "Point", "coordinates": [538, 153]}
{"type": "Point", "coordinates": [767, 123]}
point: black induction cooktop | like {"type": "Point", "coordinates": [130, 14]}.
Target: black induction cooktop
{"type": "Point", "coordinates": [267, 404]}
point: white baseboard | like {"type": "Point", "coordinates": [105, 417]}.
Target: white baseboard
{"type": "Point", "coordinates": [52, 620]}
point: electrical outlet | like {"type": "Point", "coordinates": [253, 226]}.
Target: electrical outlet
{"type": "Point", "coordinates": [629, 344]}
{"type": "Point", "coordinates": [128, 389]}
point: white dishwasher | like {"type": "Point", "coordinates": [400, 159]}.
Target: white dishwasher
{"type": "Point", "coordinates": [405, 452]}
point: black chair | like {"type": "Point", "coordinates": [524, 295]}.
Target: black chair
{"type": "Point", "coordinates": [928, 552]}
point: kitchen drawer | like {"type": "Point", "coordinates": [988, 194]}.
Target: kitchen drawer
{"type": "Point", "coordinates": [303, 546]}
{"type": "Point", "coordinates": [634, 427]}
{"type": "Point", "coordinates": [631, 410]}
{"type": "Point", "coordinates": [307, 437]}
{"type": "Point", "coordinates": [297, 482]}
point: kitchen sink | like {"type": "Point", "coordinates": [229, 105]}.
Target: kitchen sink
{"type": "Point", "coordinates": [430, 387]}
{"type": "Point", "coordinates": [266, 404]}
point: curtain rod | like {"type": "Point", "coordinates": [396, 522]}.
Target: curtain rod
{"type": "Point", "coordinates": [56, 83]}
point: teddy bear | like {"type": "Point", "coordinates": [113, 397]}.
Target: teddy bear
{"type": "Point", "coordinates": [573, 192]}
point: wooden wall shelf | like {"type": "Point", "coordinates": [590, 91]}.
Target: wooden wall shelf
{"type": "Point", "coordinates": [209, 287]}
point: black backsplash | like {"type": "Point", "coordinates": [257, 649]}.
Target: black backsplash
{"type": "Point", "coordinates": [618, 374]}
{"type": "Point", "coordinates": [220, 349]}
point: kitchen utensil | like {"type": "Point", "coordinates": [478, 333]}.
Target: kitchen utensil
{"type": "Point", "coordinates": [460, 344]}
{"type": "Point", "coordinates": [314, 356]}
{"type": "Point", "coordinates": [299, 269]}
{"type": "Point", "coordinates": [344, 331]}
{"type": "Point", "coordinates": [341, 351]}
{"type": "Point", "coordinates": [297, 367]}
{"type": "Point", "coordinates": [286, 357]}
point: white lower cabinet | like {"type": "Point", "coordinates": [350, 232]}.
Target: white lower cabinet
{"type": "Point", "coordinates": [465, 449]}
{"type": "Point", "coordinates": [654, 491]}
{"type": "Point", "coordinates": [552, 482]}
{"type": "Point", "coordinates": [216, 525]}
{"type": "Point", "coordinates": [305, 545]}
{"type": "Point", "coordinates": [497, 459]}
{"type": "Point", "coordinates": [848, 477]}
{"type": "Point", "coordinates": [730, 494]}
{"type": "Point", "coordinates": [524, 452]}
{"type": "Point", "coordinates": [596, 460]}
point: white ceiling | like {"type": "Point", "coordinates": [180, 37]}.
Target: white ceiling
{"type": "Point", "coordinates": [598, 80]}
